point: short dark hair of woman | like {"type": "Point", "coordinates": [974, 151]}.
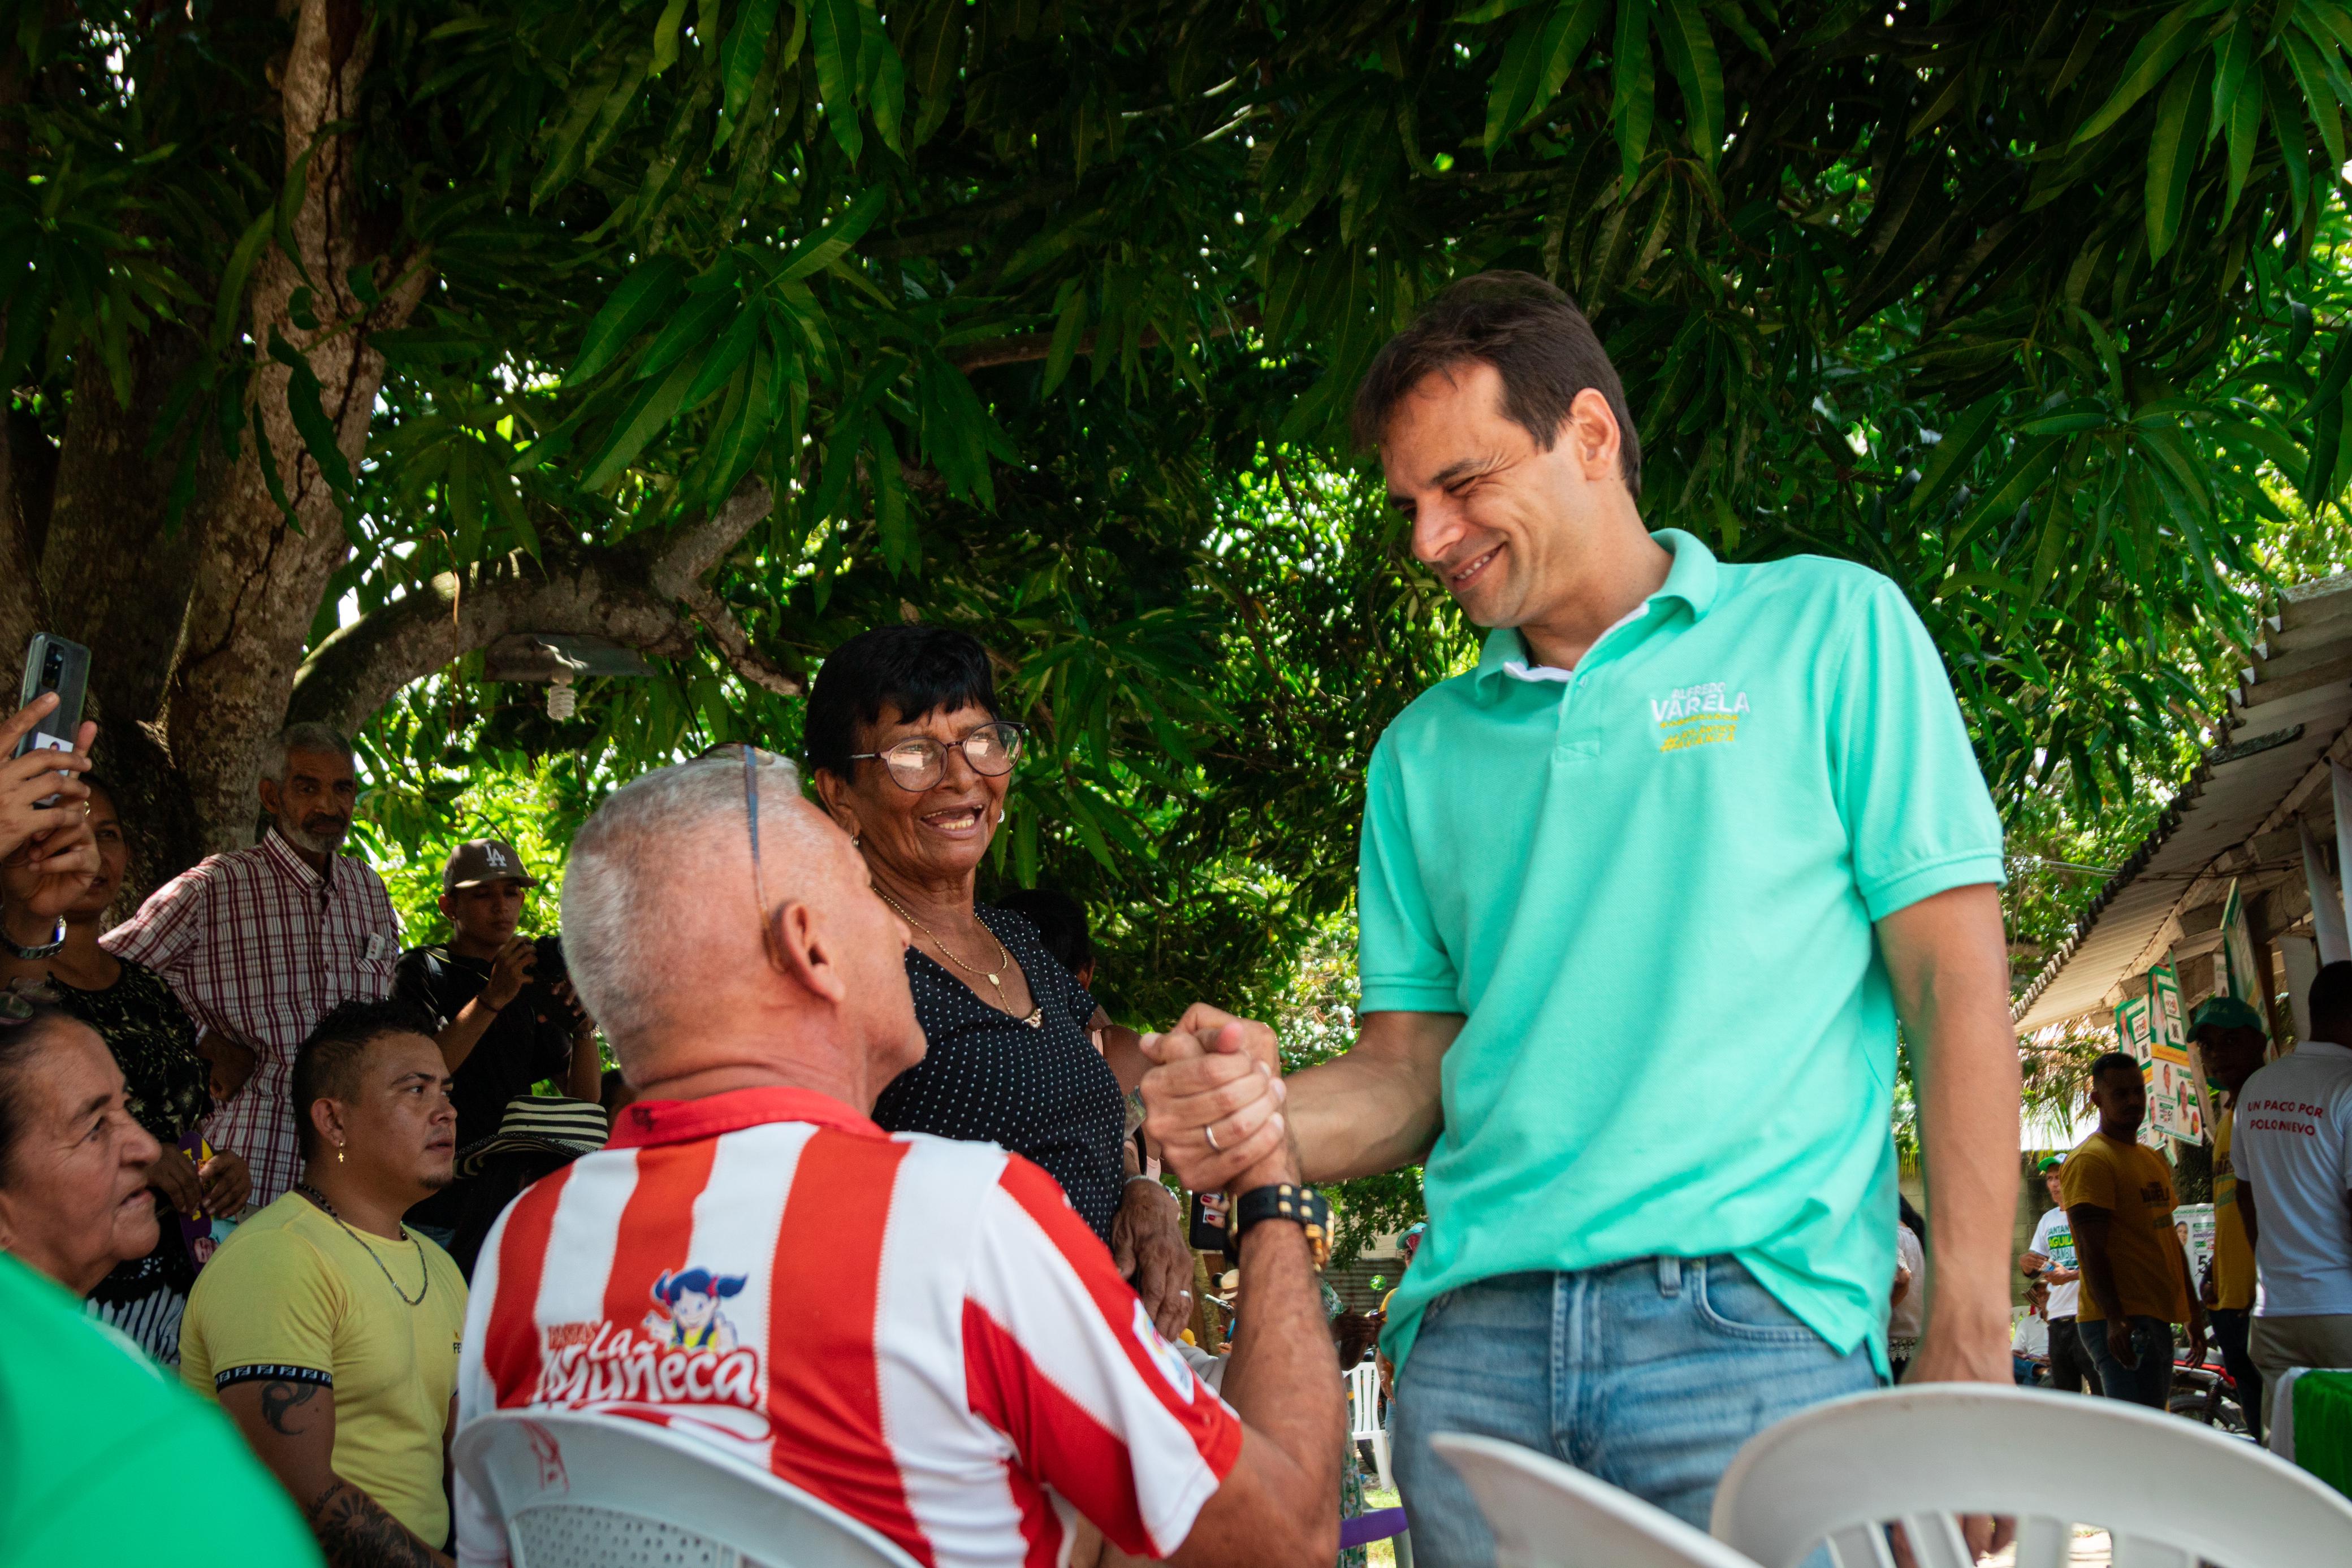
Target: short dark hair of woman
{"type": "Point", "coordinates": [1534, 336]}
{"type": "Point", "coordinates": [25, 1028]}
{"type": "Point", "coordinates": [915, 670]}
{"type": "Point", "coordinates": [327, 1066]}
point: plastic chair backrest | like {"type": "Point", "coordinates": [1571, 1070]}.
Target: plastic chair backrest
{"type": "Point", "coordinates": [576, 1490]}
{"type": "Point", "coordinates": [2168, 1491]}
{"type": "Point", "coordinates": [1546, 1514]}
{"type": "Point", "coordinates": [1363, 1400]}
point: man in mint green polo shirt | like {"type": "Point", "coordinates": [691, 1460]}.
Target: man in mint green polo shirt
{"type": "Point", "coordinates": [1642, 898]}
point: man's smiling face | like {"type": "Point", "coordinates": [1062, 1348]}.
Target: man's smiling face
{"type": "Point", "coordinates": [1494, 513]}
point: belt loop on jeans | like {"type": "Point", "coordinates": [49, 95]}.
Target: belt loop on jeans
{"type": "Point", "coordinates": [1670, 1276]}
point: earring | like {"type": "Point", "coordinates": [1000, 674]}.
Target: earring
{"type": "Point", "coordinates": [339, 1153]}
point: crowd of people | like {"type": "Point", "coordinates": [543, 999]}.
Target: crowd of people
{"type": "Point", "coordinates": [2109, 1270]}
{"type": "Point", "coordinates": [860, 1201]}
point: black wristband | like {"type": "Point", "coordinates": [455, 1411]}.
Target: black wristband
{"type": "Point", "coordinates": [1303, 1206]}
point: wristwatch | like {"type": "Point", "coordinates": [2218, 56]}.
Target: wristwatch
{"type": "Point", "coordinates": [1301, 1205]}
{"type": "Point", "coordinates": [49, 949]}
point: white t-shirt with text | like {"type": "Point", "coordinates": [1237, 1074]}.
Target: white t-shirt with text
{"type": "Point", "coordinates": [2293, 1145]}
{"type": "Point", "coordinates": [2054, 1239]}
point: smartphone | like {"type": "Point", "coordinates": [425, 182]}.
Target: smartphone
{"type": "Point", "coordinates": [1208, 1232]}
{"type": "Point", "coordinates": [52, 663]}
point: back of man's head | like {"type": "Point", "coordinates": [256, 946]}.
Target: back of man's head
{"type": "Point", "coordinates": [662, 929]}
{"type": "Point", "coordinates": [1540, 343]}
{"type": "Point", "coordinates": [2331, 1003]}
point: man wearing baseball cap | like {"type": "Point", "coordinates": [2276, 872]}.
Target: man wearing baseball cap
{"type": "Point", "coordinates": [2049, 1260]}
{"type": "Point", "coordinates": [2232, 1043]}
{"type": "Point", "coordinates": [503, 1028]}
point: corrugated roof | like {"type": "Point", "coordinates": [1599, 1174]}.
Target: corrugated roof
{"type": "Point", "coordinates": [2291, 706]}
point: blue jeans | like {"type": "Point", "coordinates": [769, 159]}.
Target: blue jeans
{"type": "Point", "coordinates": [2151, 1381]}
{"type": "Point", "coordinates": [1648, 1374]}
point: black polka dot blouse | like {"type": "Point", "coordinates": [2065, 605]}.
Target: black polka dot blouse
{"type": "Point", "coordinates": [1043, 1092]}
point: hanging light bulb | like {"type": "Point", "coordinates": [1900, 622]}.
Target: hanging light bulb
{"type": "Point", "coordinates": [563, 699]}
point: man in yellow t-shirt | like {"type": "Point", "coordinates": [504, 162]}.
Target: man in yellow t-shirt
{"type": "Point", "coordinates": [2136, 1282]}
{"type": "Point", "coordinates": [2231, 1042]}
{"type": "Point", "coordinates": [328, 1331]}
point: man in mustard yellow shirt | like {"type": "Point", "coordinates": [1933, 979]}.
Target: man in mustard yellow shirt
{"type": "Point", "coordinates": [2231, 1042]}
{"type": "Point", "coordinates": [327, 1330]}
{"type": "Point", "coordinates": [2136, 1282]}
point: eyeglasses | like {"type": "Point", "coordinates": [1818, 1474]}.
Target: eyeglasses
{"type": "Point", "coordinates": [919, 762]}
{"type": "Point", "coordinates": [754, 759]}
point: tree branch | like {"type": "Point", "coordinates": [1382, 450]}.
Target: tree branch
{"type": "Point", "coordinates": [1022, 347]}
{"type": "Point", "coordinates": [735, 643]}
{"type": "Point", "coordinates": [629, 593]}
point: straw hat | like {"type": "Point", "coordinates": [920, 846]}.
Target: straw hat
{"type": "Point", "coordinates": [550, 1124]}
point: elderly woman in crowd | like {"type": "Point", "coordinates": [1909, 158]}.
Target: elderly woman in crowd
{"type": "Point", "coordinates": [73, 1161]}
{"type": "Point", "coordinates": [51, 951]}
{"type": "Point", "coordinates": [912, 757]}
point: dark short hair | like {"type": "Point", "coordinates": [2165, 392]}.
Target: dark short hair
{"type": "Point", "coordinates": [2114, 1059]}
{"type": "Point", "coordinates": [913, 669]}
{"type": "Point", "coordinates": [22, 1034]}
{"type": "Point", "coordinates": [327, 1067]}
{"type": "Point", "coordinates": [2331, 1003]}
{"type": "Point", "coordinates": [1534, 336]}
{"type": "Point", "coordinates": [1060, 920]}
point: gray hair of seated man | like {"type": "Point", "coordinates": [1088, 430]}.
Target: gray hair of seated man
{"type": "Point", "coordinates": [305, 736]}
{"type": "Point", "coordinates": [627, 855]}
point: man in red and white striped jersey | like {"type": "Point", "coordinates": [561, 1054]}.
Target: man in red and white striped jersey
{"type": "Point", "coordinates": [921, 1333]}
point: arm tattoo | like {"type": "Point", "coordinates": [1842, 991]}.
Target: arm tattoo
{"type": "Point", "coordinates": [278, 1403]}
{"type": "Point", "coordinates": [354, 1532]}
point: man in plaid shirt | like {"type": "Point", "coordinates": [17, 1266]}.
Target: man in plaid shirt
{"type": "Point", "coordinates": [257, 944]}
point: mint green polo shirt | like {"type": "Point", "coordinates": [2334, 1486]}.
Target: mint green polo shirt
{"type": "Point", "coordinates": [1649, 885]}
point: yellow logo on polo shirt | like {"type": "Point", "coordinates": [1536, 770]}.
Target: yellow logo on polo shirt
{"type": "Point", "coordinates": [1703, 714]}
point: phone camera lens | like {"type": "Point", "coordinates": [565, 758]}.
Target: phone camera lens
{"type": "Point", "coordinates": [53, 667]}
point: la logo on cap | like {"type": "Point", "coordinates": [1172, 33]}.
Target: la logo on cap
{"type": "Point", "coordinates": [496, 856]}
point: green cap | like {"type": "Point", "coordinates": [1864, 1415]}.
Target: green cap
{"type": "Point", "coordinates": [2050, 1163]}
{"type": "Point", "coordinates": [2223, 1012]}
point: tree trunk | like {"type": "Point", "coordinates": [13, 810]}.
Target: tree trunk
{"type": "Point", "coordinates": [114, 577]}
{"type": "Point", "coordinates": [259, 573]}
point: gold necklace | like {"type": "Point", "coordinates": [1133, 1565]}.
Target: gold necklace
{"type": "Point", "coordinates": [1034, 1018]}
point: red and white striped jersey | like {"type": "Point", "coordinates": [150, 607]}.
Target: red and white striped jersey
{"type": "Point", "coordinates": [922, 1334]}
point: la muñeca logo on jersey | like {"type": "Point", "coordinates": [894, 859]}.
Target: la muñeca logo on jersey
{"type": "Point", "coordinates": [1706, 714]}
{"type": "Point", "coordinates": [685, 1362]}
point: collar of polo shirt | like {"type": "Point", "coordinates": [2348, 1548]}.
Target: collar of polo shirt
{"type": "Point", "coordinates": [1691, 580]}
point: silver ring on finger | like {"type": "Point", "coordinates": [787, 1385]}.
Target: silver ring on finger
{"type": "Point", "coordinates": [1209, 1133]}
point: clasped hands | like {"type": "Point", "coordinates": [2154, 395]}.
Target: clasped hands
{"type": "Point", "coordinates": [1213, 1103]}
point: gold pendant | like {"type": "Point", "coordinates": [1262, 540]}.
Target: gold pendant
{"type": "Point", "coordinates": [996, 979]}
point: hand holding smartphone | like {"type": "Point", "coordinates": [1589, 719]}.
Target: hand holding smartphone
{"type": "Point", "coordinates": [47, 744]}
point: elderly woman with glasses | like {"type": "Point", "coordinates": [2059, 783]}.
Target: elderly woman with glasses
{"type": "Point", "coordinates": [912, 757]}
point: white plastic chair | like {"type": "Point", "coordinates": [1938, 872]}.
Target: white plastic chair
{"type": "Point", "coordinates": [577, 1490]}
{"type": "Point", "coordinates": [2168, 1491]}
{"type": "Point", "coordinates": [1546, 1514]}
{"type": "Point", "coordinates": [1364, 1416]}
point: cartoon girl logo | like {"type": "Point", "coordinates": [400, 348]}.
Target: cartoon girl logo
{"type": "Point", "coordinates": [691, 1318]}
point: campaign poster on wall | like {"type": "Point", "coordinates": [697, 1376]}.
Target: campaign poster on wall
{"type": "Point", "coordinates": [2172, 1103]}
{"type": "Point", "coordinates": [2244, 978]}
{"type": "Point", "coordinates": [2193, 1222]}
{"type": "Point", "coordinates": [2135, 1034]}
{"type": "Point", "coordinates": [2149, 1024]}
